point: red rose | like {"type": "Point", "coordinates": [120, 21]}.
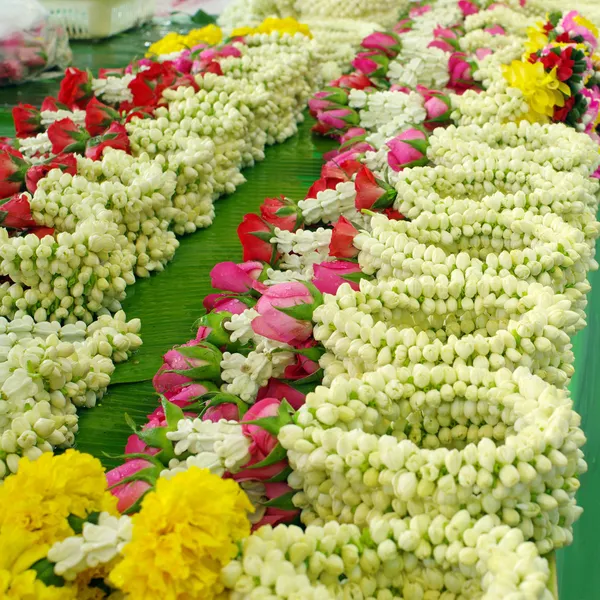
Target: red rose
{"type": "Point", "coordinates": [13, 167]}
{"type": "Point", "coordinates": [143, 112]}
{"type": "Point", "coordinates": [114, 137]}
{"type": "Point", "coordinates": [75, 88]}
{"type": "Point", "coordinates": [393, 215]}
{"type": "Point", "coordinates": [104, 73]}
{"type": "Point", "coordinates": [148, 85]}
{"type": "Point", "coordinates": [66, 162]}
{"type": "Point", "coordinates": [271, 206]}
{"type": "Point", "coordinates": [341, 239]}
{"type": "Point", "coordinates": [324, 183]}
{"type": "Point", "coordinates": [99, 116]}
{"type": "Point", "coordinates": [16, 213]}
{"type": "Point", "coordinates": [28, 120]}
{"type": "Point", "coordinates": [354, 81]}
{"type": "Point", "coordinates": [371, 193]}
{"type": "Point", "coordinates": [53, 105]}
{"type": "Point", "coordinates": [66, 136]}
{"type": "Point", "coordinates": [41, 232]}
{"type": "Point", "coordinates": [254, 235]}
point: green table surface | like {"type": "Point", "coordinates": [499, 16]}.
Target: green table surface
{"type": "Point", "coordinates": [168, 304]}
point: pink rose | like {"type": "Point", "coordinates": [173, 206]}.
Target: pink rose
{"type": "Point", "coordinates": [460, 73]}
{"type": "Point", "coordinates": [128, 493]}
{"type": "Point", "coordinates": [407, 150]}
{"type": "Point", "coordinates": [302, 366]}
{"type": "Point", "coordinates": [238, 278]}
{"type": "Point", "coordinates": [262, 441]}
{"type": "Point", "coordinates": [339, 118]}
{"type": "Point", "coordinates": [228, 411]}
{"type": "Point", "coordinates": [403, 26]}
{"type": "Point", "coordinates": [495, 30]}
{"type": "Point", "coordinates": [444, 32]}
{"type": "Point", "coordinates": [281, 390]}
{"type": "Point", "coordinates": [387, 43]}
{"type": "Point", "coordinates": [467, 8]}
{"type": "Point", "coordinates": [273, 516]}
{"type": "Point", "coordinates": [481, 53]}
{"type": "Point", "coordinates": [371, 64]}
{"type": "Point", "coordinates": [222, 303]}
{"type": "Point", "coordinates": [329, 275]}
{"type": "Point", "coordinates": [275, 324]}
{"type": "Point", "coordinates": [442, 45]}
{"type": "Point", "coordinates": [417, 11]}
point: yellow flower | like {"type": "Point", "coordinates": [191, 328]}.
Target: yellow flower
{"type": "Point", "coordinates": [287, 25]}
{"type": "Point", "coordinates": [536, 39]}
{"type": "Point", "coordinates": [44, 492]}
{"type": "Point", "coordinates": [581, 20]}
{"type": "Point", "coordinates": [18, 551]}
{"type": "Point", "coordinates": [175, 42]}
{"type": "Point", "coordinates": [242, 31]}
{"type": "Point", "coordinates": [542, 91]}
{"type": "Point", "coordinates": [211, 34]}
{"type": "Point", "coordinates": [184, 534]}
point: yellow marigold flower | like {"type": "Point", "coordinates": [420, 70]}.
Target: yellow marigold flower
{"type": "Point", "coordinates": [175, 42]}
{"type": "Point", "coordinates": [542, 91]}
{"type": "Point", "coordinates": [287, 25]}
{"type": "Point", "coordinates": [172, 42]}
{"type": "Point", "coordinates": [44, 492]}
{"type": "Point", "coordinates": [18, 551]}
{"type": "Point", "coordinates": [184, 534]}
{"type": "Point", "coordinates": [211, 34]}
{"type": "Point", "coordinates": [242, 31]}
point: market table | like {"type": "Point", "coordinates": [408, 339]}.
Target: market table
{"type": "Point", "coordinates": [169, 303]}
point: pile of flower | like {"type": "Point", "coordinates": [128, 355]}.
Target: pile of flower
{"type": "Point", "coordinates": [249, 13]}
{"type": "Point", "coordinates": [385, 374]}
{"type": "Point", "coordinates": [99, 182]}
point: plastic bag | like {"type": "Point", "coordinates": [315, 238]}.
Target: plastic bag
{"type": "Point", "coordinates": [29, 43]}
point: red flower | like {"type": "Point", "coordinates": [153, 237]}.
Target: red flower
{"type": "Point", "coordinates": [353, 81]}
{"type": "Point", "coordinates": [28, 120]}
{"type": "Point", "coordinates": [271, 206]}
{"type": "Point", "coordinates": [341, 239]}
{"type": "Point", "coordinates": [12, 172]}
{"type": "Point", "coordinates": [41, 232]}
{"type": "Point", "coordinates": [213, 67]}
{"type": "Point", "coordinates": [66, 136]}
{"type": "Point", "coordinates": [66, 162]}
{"type": "Point", "coordinates": [186, 80]}
{"type": "Point", "coordinates": [560, 114]}
{"type": "Point", "coordinates": [103, 73]}
{"type": "Point", "coordinates": [148, 85]}
{"type": "Point", "coordinates": [114, 137]}
{"type": "Point", "coordinates": [143, 112]}
{"type": "Point", "coordinates": [53, 105]}
{"type": "Point", "coordinates": [99, 116]}
{"type": "Point", "coordinates": [393, 214]}
{"type": "Point", "coordinates": [75, 88]}
{"type": "Point", "coordinates": [325, 183]}
{"type": "Point", "coordinates": [16, 213]}
{"type": "Point", "coordinates": [254, 235]}
{"type": "Point", "coordinates": [563, 63]}
{"type": "Point", "coordinates": [343, 166]}
{"type": "Point", "coordinates": [369, 192]}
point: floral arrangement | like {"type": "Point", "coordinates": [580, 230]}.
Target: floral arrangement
{"type": "Point", "coordinates": [384, 376]}
{"type": "Point", "coordinates": [99, 182]}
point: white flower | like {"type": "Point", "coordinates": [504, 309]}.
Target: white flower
{"type": "Point", "coordinates": [98, 544]}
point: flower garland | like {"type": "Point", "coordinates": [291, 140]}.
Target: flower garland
{"type": "Point", "coordinates": [400, 389]}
